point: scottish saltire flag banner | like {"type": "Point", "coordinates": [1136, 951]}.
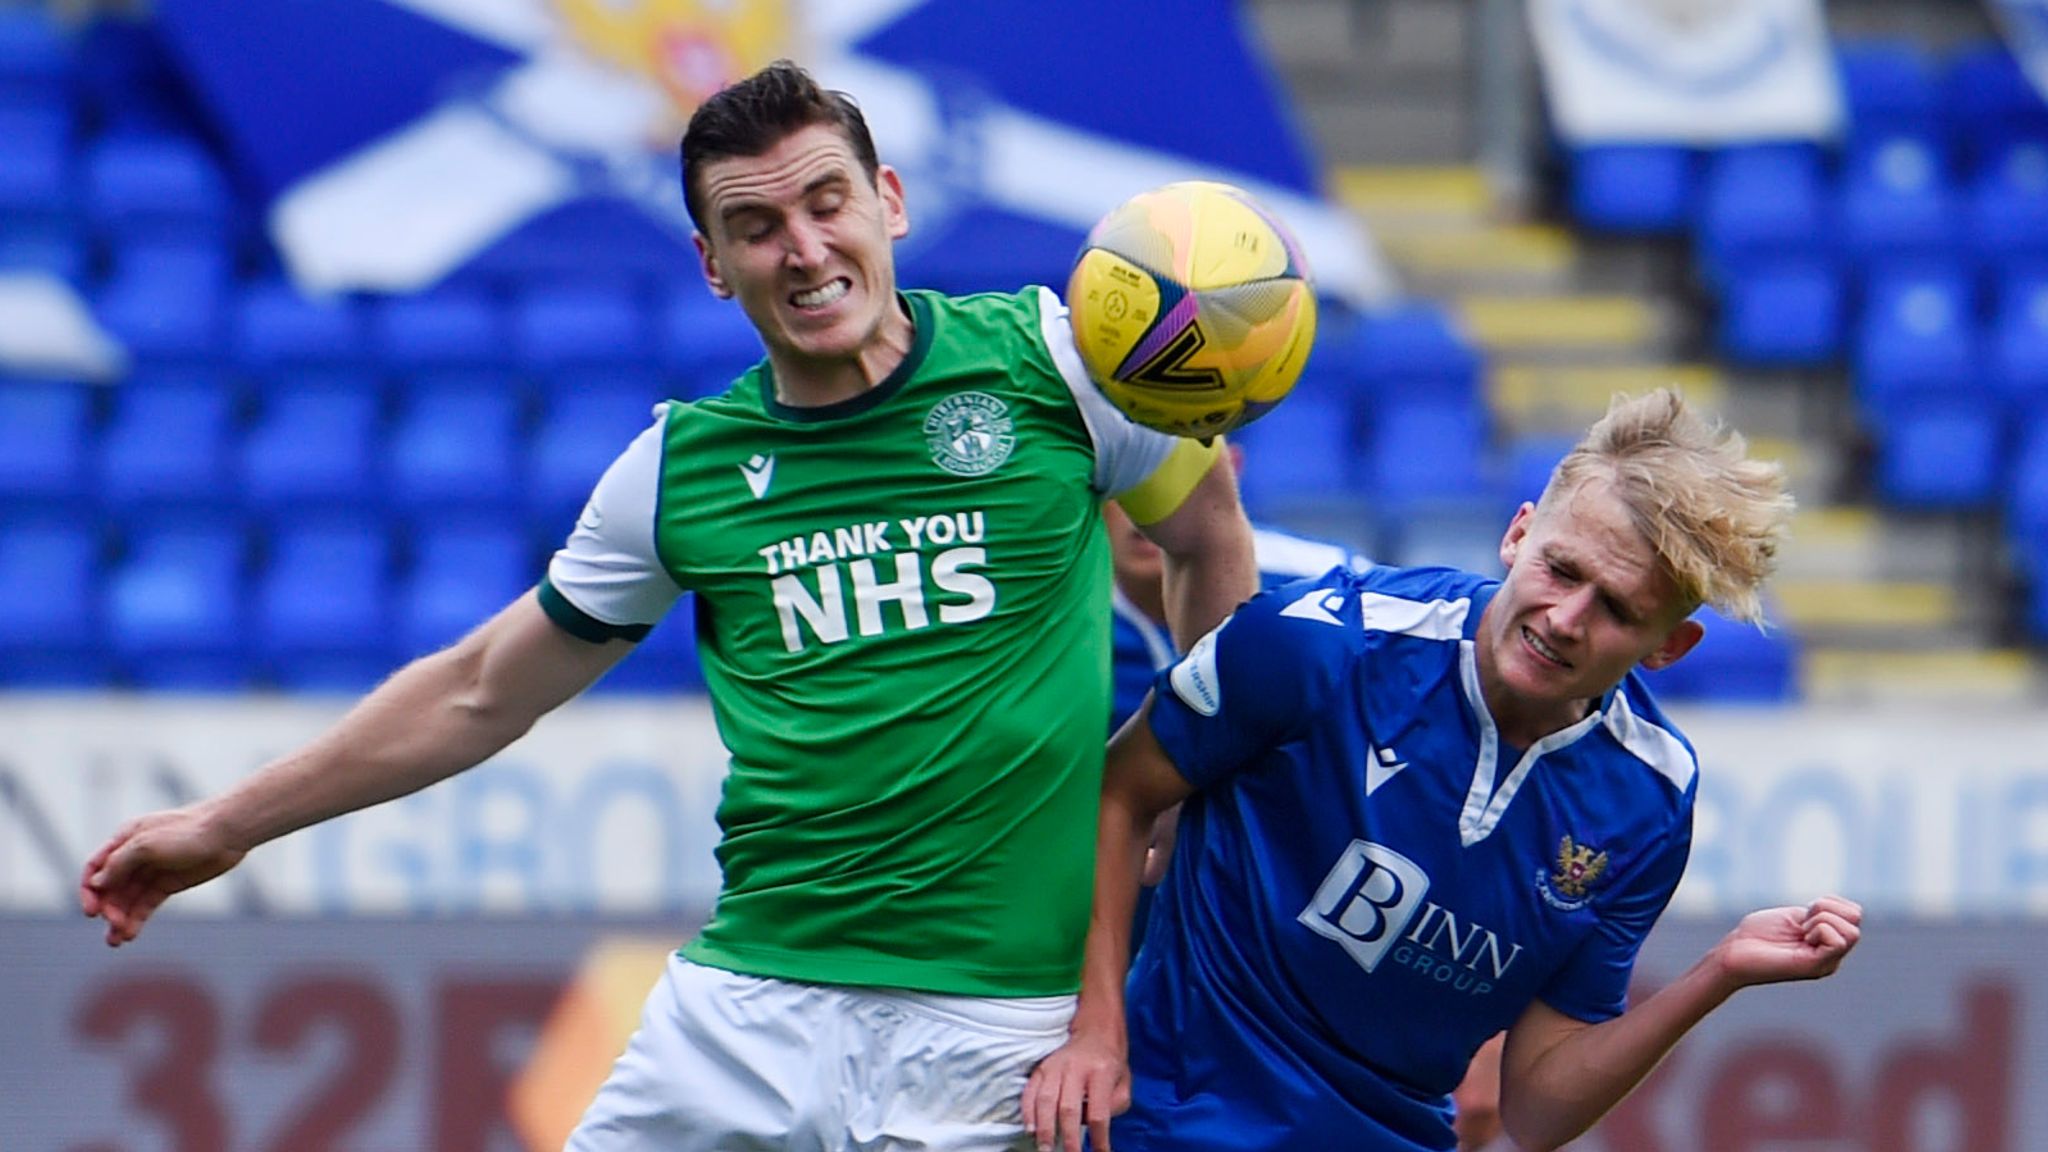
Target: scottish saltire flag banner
{"type": "Point", "coordinates": [396, 141]}
{"type": "Point", "coordinates": [1702, 72]}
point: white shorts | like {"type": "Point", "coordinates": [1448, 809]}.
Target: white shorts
{"type": "Point", "coordinates": [731, 1063]}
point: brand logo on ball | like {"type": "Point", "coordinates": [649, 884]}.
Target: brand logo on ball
{"type": "Point", "coordinates": [970, 434]}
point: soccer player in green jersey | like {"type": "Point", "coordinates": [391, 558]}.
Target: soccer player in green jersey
{"type": "Point", "coordinates": [902, 596]}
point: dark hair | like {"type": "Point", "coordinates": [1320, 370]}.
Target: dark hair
{"type": "Point", "coordinates": [752, 116]}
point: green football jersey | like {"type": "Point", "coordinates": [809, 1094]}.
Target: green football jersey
{"type": "Point", "coordinates": [903, 619]}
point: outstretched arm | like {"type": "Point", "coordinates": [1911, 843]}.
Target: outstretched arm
{"type": "Point", "coordinates": [1560, 1075]}
{"type": "Point", "coordinates": [1084, 1083]}
{"type": "Point", "coordinates": [1209, 567]}
{"type": "Point", "coordinates": [435, 717]}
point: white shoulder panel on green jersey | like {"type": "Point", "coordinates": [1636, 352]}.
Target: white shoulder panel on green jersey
{"type": "Point", "coordinates": [609, 569]}
{"type": "Point", "coordinates": [1126, 453]}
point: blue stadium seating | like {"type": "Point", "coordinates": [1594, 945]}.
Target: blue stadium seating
{"type": "Point", "coordinates": [584, 424]}
{"type": "Point", "coordinates": [51, 248]}
{"type": "Point", "coordinates": [276, 326]}
{"type": "Point", "coordinates": [442, 328]}
{"type": "Point", "coordinates": [2006, 210]}
{"type": "Point", "coordinates": [1895, 201]}
{"type": "Point", "coordinates": [315, 444]}
{"type": "Point", "coordinates": [1761, 203]}
{"type": "Point", "coordinates": [2017, 344]}
{"type": "Point", "coordinates": [1633, 189]}
{"type": "Point", "coordinates": [1785, 313]}
{"type": "Point", "coordinates": [582, 326]}
{"type": "Point", "coordinates": [1888, 86]}
{"type": "Point", "coordinates": [127, 83]}
{"type": "Point", "coordinates": [36, 56]}
{"type": "Point", "coordinates": [455, 448]}
{"type": "Point", "coordinates": [176, 607]}
{"type": "Point", "coordinates": [1414, 350]}
{"type": "Point", "coordinates": [1917, 335]}
{"type": "Point", "coordinates": [164, 301]}
{"type": "Point", "coordinates": [322, 605]}
{"type": "Point", "coordinates": [461, 575]}
{"type": "Point", "coordinates": [1734, 663]}
{"type": "Point", "coordinates": [1941, 450]}
{"type": "Point", "coordinates": [1300, 452]}
{"type": "Point", "coordinates": [1530, 461]}
{"type": "Point", "coordinates": [706, 342]}
{"type": "Point", "coordinates": [169, 443]}
{"type": "Point", "coordinates": [1988, 104]}
{"type": "Point", "coordinates": [36, 176]}
{"type": "Point", "coordinates": [155, 187]}
{"type": "Point", "coordinates": [45, 438]}
{"type": "Point", "coordinates": [49, 578]}
{"type": "Point", "coordinates": [1424, 451]}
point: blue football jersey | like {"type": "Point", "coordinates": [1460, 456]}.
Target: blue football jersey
{"type": "Point", "coordinates": [1141, 646]}
{"type": "Point", "coordinates": [1369, 882]}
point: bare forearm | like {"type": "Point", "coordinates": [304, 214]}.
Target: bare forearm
{"type": "Point", "coordinates": [1550, 1097]}
{"type": "Point", "coordinates": [1121, 836]}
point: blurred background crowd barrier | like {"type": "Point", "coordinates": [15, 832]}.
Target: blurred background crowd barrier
{"type": "Point", "coordinates": [318, 321]}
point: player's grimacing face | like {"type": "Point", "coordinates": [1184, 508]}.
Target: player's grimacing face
{"type": "Point", "coordinates": [804, 240]}
{"type": "Point", "coordinates": [1584, 601]}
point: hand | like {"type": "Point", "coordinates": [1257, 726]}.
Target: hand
{"type": "Point", "coordinates": [1792, 943]}
{"type": "Point", "coordinates": [1084, 1082]}
{"type": "Point", "coordinates": [149, 860]}
{"type": "Point", "coordinates": [1159, 853]}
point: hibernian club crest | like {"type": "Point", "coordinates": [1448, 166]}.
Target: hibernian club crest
{"type": "Point", "coordinates": [970, 433]}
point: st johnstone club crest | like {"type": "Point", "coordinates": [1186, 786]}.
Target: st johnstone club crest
{"type": "Point", "coordinates": [1578, 868]}
{"type": "Point", "coordinates": [970, 433]}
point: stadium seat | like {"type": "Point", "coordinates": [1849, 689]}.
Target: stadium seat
{"type": "Point", "coordinates": [2017, 345]}
{"type": "Point", "coordinates": [1888, 86]}
{"type": "Point", "coordinates": [1414, 350]}
{"type": "Point", "coordinates": [2006, 209]}
{"type": "Point", "coordinates": [2026, 492]}
{"type": "Point", "coordinates": [322, 605]}
{"type": "Point", "coordinates": [666, 661]}
{"type": "Point", "coordinates": [164, 301]}
{"type": "Point", "coordinates": [455, 447]}
{"type": "Point", "coordinates": [156, 187]}
{"type": "Point", "coordinates": [1632, 189]}
{"type": "Point", "coordinates": [53, 249]}
{"type": "Point", "coordinates": [36, 56]}
{"type": "Point", "coordinates": [706, 343]}
{"type": "Point", "coordinates": [45, 443]}
{"type": "Point", "coordinates": [1895, 201]}
{"type": "Point", "coordinates": [1759, 203]}
{"type": "Point", "coordinates": [127, 82]}
{"type": "Point", "coordinates": [1988, 104]}
{"type": "Point", "coordinates": [1734, 663]}
{"type": "Point", "coordinates": [1917, 335]}
{"type": "Point", "coordinates": [168, 443]}
{"type": "Point", "coordinates": [1424, 451]}
{"type": "Point", "coordinates": [315, 444]}
{"type": "Point", "coordinates": [1530, 460]}
{"type": "Point", "coordinates": [445, 328]}
{"type": "Point", "coordinates": [36, 179]}
{"type": "Point", "coordinates": [461, 574]}
{"type": "Point", "coordinates": [1298, 453]}
{"type": "Point", "coordinates": [1782, 314]}
{"type": "Point", "coordinates": [1941, 451]}
{"type": "Point", "coordinates": [585, 326]}
{"type": "Point", "coordinates": [276, 326]}
{"type": "Point", "coordinates": [584, 424]}
{"type": "Point", "coordinates": [50, 579]}
{"type": "Point", "coordinates": [175, 607]}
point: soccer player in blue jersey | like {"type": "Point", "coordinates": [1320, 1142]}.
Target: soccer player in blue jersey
{"type": "Point", "coordinates": [1423, 806]}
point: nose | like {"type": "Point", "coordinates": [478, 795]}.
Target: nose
{"type": "Point", "coordinates": [1568, 615]}
{"type": "Point", "coordinates": [806, 246]}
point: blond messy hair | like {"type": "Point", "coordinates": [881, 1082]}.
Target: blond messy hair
{"type": "Point", "coordinates": [1714, 516]}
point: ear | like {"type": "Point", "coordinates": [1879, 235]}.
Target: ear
{"type": "Point", "coordinates": [709, 263]}
{"type": "Point", "coordinates": [1676, 644]}
{"type": "Point", "coordinates": [895, 210]}
{"type": "Point", "coordinates": [1518, 530]}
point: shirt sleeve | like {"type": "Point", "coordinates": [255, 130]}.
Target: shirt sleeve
{"type": "Point", "coordinates": [607, 582]}
{"type": "Point", "coordinates": [1258, 680]}
{"type": "Point", "coordinates": [1147, 471]}
{"type": "Point", "coordinates": [1593, 985]}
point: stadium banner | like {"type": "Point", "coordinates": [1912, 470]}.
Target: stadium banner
{"type": "Point", "coordinates": [607, 808]}
{"type": "Point", "coordinates": [490, 1035]}
{"type": "Point", "coordinates": [1699, 72]}
{"type": "Point", "coordinates": [526, 135]}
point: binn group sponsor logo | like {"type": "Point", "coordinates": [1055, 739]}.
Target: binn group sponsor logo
{"type": "Point", "coordinates": [970, 433]}
{"type": "Point", "coordinates": [1373, 904]}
